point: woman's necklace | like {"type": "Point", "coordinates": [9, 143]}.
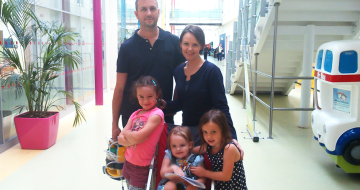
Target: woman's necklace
{"type": "Point", "coordinates": [192, 68]}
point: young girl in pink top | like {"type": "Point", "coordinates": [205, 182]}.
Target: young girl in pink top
{"type": "Point", "coordinates": [142, 132]}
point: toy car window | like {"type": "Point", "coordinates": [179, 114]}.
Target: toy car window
{"type": "Point", "coordinates": [328, 61]}
{"type": "Point", "coordinates": [319, 59]}
{"type": "Point", "coordinates": [348, 62]}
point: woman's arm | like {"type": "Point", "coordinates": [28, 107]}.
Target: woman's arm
{"type": "Point", "coordinates": [137, 137]}
{"type": "Point", "coordinates": [239, 147]}
{"type": "Point", "coordinates": [219, 101]}
{"type": "Point", "coordinates": [172, 106]}
{"type": "Point", "coordinates": [228, 166]}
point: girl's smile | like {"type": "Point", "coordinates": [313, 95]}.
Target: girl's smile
{"type": "Point", "coordinates": [212, 134]}
{"type": "Point", "coordinates": [190, 47]}
{"type": "Point", "coordinates": [147, 97]}
{"type": "Point", "coordinates": [179, 146]}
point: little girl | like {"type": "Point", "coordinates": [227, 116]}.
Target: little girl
{"type": "Point", "coordinates": [179, 158]}
{"type": "Point", "coordinates": [227, 167]}
{"type": "Point", "coordinates": [141, 133]}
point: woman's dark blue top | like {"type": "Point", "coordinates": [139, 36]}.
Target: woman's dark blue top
{"type": "Point", "coordinates": [205, 91]}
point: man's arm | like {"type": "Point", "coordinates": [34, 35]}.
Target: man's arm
{"type": "Point", "coordinates": [116, 103]}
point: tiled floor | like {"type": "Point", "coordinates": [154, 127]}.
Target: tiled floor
{"type": "Point", "coordinates": [292, 160]}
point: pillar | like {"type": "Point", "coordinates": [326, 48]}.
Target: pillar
{"type": "Point", "coordinates": [308, 56]}
{"type": "Point", "coordinates": [98, 52]}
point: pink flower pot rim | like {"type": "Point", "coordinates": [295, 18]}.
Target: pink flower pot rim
{"type": "Point", "coordinates": [56, 112]}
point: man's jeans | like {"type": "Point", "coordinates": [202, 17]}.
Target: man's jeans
{"type": "Point", "coordinates": [219, 56]}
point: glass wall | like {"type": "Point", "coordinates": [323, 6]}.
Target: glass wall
{"type": "Point", "coordinates": [127, 21]}
{"type": "Point", "coordinates": [87, 34]}
{"type": "Point", "coordinates": [53, 4]}
{"type": "Point", "coordinates": [75, 15]}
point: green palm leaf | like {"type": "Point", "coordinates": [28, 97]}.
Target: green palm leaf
{"type": "Point", "coordinates": [35, 79]}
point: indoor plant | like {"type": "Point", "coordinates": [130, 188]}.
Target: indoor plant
{"type": "Point", "coordinates": [35, 78]}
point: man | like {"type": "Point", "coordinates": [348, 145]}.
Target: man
{"type": "Point", "coordinates": [219, 52]}
{"type": "Point", "coordinates": [150, 51]}
{"type": "Point", "coordinates": [206, 52]}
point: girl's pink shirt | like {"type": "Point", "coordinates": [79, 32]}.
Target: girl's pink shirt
{"type": "Point", "coordinates": [142, 154]}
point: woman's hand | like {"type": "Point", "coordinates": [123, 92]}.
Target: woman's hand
{"type": "Point", "coordinates": [162, 104]}
{"type": "Point", "coordinates": [177, 170]}
{"type": "Point", "coordinates": [198, 171]}
{"type": "Point", "coordinates": [239, 147]}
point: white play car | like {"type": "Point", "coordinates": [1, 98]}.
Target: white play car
{"type": "Point", "coordinates": [336, 119]}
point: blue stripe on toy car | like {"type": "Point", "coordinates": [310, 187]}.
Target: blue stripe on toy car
{"type": "Point", "coordinates": [345, 139]}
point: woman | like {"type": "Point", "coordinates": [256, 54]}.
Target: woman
{"type": "Point", "coordinates": [199, 84]}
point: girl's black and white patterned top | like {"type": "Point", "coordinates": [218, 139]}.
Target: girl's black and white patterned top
{"type": "Point", "coordinates": [237, 180]}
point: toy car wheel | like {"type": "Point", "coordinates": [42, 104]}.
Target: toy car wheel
{"type": "Point", "coordinates": [352, 153]}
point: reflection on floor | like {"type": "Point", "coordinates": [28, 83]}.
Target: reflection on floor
{"type": "Point", "coordinates": [292, 160]}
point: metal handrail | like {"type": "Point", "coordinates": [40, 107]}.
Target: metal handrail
{"type": "Point", "coordinates": [277, 109]}
{"type": "Point", "coordinates": [293, 109]}
{"type": "Point", "coordinates": [242, 40]}
{"type": "Point", "coordinates": [261, 73]}
{"type": "Point", "coordinates": [257, 98]}
{"type": "Point", "coordinates": [273, 78]}
{"type": "Point", "coordinates": [280, 77]}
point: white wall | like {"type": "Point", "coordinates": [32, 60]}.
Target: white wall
{"type": "Point", "coordinates": [230, 10]}
{"type": "Point", "coordinates": [197, 4]}
{"type": "Point", "coordinates": [228, 29]}
{"type": "Point", "coordinates": [209, 36]}
{"type": "Point", "coordinates": [230, 15]}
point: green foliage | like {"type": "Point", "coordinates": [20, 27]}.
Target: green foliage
{"type": "Point", "coordinates": [36, 78]}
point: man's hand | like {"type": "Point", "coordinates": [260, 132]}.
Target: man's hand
{"type": "Point", "coordinates": [115, 132]}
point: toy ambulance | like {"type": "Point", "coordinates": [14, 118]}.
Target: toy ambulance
{"type": "Point", "coordinates": [336, 119]}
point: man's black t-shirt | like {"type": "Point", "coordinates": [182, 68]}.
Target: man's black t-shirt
{"type": "Point", "coordinates": [138, 58]}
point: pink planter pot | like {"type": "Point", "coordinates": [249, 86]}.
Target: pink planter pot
{"type": "Point", "coordinates": [37, 133]}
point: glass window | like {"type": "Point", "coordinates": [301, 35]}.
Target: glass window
{"type": "Point", "coordinates": [328, 61]}
{"type": "Point", "coordinates": [348, 62]}
{"type": "Point", "coordinates": [87, 34]}
{"type": "Point", "coordinates": [319, 59]}
{"type": "Point", "coordinates": [53, 4]}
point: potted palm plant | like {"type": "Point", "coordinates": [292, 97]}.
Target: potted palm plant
{"type": "Point", "coordinates": [37, 128]}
